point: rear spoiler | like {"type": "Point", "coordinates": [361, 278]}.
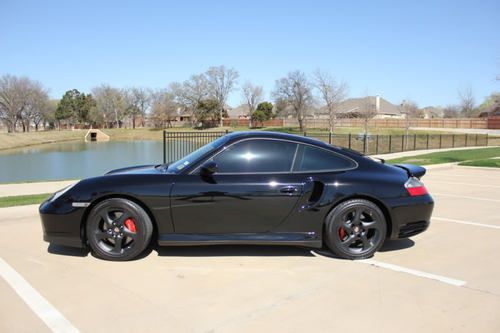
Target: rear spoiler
{"type": "Point", "coordinates": [412, 169]}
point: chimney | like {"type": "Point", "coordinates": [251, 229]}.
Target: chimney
{"type": "Point", "coordinates": [377, 103]}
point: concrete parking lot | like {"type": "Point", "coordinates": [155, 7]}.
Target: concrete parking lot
{"type": "Point", "coordinates": [446, 279]}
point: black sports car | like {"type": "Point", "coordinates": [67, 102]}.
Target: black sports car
{"type": "Point", "coordinates": [244, 188]}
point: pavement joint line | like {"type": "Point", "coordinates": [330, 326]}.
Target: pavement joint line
{"type": "Point", "coordinates": [440, 278]}
{"type": "Point", "coordinates": [467, 222]}
{"type": "Point", "coordinates": [464, 197]}
{"type": "Point", "coordinates": [396, 268]}
{"type": "Point", "coordinates": [40, 306]}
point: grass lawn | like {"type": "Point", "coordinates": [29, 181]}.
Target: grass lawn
{"type": "Point", "coordinates": [22, 200]}
{"type": "Point", "coordinates": [17, 140]}
{"type": "Point", "coordinates": [450, 156]}
{"type": "Point", "coordinates": [490, 163]}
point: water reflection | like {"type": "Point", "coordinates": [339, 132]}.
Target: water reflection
{"type": "Point", "coordinates": [75, 160]}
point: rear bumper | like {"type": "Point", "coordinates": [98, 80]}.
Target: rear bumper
{"type": "Point", "coordinates": [61, 225]}
{"type": "Point", "coordinates": [410, 216]}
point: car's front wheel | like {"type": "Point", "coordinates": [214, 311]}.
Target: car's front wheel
{"type": "Point", "coordinates": [118, 229]}
{"type": "Point", "coordinates": [355, 229]}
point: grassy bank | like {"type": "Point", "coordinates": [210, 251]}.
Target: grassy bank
{"type": "Point", "coordinates": [18, 140]}
{"type": "Point", "coordinates": [476, 155]}
{"type": "Point", "coordinates": [487, 163]}
{"type": "Point", "coordinates": [22, 200]}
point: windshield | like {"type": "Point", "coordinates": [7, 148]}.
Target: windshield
{"type": "Point", "coordinates": [184, 162]}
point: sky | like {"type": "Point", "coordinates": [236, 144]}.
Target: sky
{"type": "Point", "coordinates": [425, 51]}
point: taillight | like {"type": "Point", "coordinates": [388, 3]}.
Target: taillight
{"type": "Point", "coordinates": [415, 187]}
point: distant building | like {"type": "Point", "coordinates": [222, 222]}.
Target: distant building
{"type": "Point", "coordinates": [239, 112]}
{"type": "Point", "coordinates": [430, 112]}
{"type": "Point", "coordinates": [356, 107]}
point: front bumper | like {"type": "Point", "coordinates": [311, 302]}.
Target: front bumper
{"type": "Point", "coordinates": [410, 216]}
{"type": "Point", "coordinates": [61, 223]}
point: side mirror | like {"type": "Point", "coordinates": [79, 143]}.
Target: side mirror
{"type": "Point", "coordinates": [208, 168]}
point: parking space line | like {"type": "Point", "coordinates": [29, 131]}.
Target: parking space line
{"type": "Point", "coordinates": [40, 306]}
{"type": "Point", "coordinates": [444, 279]}
{"type": "Point", "coordinates": [463, 197]}
{"type": "Point", "coordinates": [466, 222]}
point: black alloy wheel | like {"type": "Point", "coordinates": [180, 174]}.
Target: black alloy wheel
{"type": "Point", "coordinates": [118, 229]}
{"type": "Point", "coordinates": [355, 229]}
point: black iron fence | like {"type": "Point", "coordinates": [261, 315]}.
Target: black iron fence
{"type": "Point", "coordinates": [179, 144]}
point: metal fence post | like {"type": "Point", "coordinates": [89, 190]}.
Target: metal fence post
{"type": "Point", "coordinates": [364, 144]}
{"type": "Point", "coordinates": [475, 144]}
{"type": "Point", "coordinates": [487, 139]}
{"type": "Point", "coordinates": [427, 141]}
{"type": "Point", "coordinates": [330, 137]}
{"type": "Point", "coordinates": [466, 140]}
{"type": "Point", "coordinates": [414, 142]}
{"type": "Point", "coordinates": [453, 141]}
{"type": "Point", "coordinates": [305, 133]}
{"type": "Point", "coordinates": [390, 142]}
{"type": "Point", "coordinates": [440, 140]}
{"type": "Point", "coordinates": [349, 140]}
{"type": "Point", "coordinates": [376, 146]}
{"type": "Point", "coordinates": [164, 146]}
{"type": "Point", "coordinates": [403, 142]}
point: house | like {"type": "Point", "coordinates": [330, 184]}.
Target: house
{"type": "Point", "coordinates": [356, 107]}
{"type": "Point", "coordinates": [239, 112]}
{"type": "Point", "coordinates": [430, 112]}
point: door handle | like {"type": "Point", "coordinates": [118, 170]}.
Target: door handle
{"type": "Point", "coordinates": [289, 189]}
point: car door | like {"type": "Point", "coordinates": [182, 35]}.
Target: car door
{"type": "Point", "coordinates": [253, 190]}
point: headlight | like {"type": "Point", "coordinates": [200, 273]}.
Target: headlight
{"type": "Point", "coordinates": [61, 192]}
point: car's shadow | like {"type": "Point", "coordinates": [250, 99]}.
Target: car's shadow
{"type": "Point", "coordinates": [67, 251]}
{"type": "Point", "coordinates": [233, 251]}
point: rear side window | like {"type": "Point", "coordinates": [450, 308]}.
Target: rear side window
{"type": "Point", "coordinates": [257, 156]}
{"type": "Point", "coordinates": [310, 158]}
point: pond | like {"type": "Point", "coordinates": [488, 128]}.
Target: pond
{"type": "Point", "coordinates": [75, 159]}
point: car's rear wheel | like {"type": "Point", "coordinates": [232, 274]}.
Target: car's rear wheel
{"type": "Point", "coordinates": [118, 229]}
{"type": "Point", "coordinates": [355, 229]}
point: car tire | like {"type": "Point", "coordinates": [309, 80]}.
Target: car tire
{"type": "Point", "coordinates": [118, 229]}
{"type": "Point", "coordinates": [355, 229]}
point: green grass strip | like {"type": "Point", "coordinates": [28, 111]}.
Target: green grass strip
{"type": "Point", "coordinates": [489, 163]}
{"type": "Point", "coordinates": [22, 200]}
{"type": "Point", "coordinates": [449, 156]}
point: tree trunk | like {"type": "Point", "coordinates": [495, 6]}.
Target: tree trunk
{"type": "Point", "coordinates": [133, 122]}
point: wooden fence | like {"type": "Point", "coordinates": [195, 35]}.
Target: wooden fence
{"type": "Point", "coordinates": [483, 123]}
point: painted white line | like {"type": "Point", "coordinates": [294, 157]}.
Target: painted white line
{"type": "Point", "coordinates": [444, 279]}
{"type": "Point", "coordinates": [40, 306]}
{"type": "Point", "coordinates": [466, 222]}
{"type": "Point", "coordinates": [463, 197]}
{"type": "Point", "coordinates": [457, 183]}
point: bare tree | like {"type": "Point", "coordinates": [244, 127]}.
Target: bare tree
{"type": "Point", "coordinates": [467, 102]}
{"type": "Point", "coordinates": [110, 104]}
{"type": "Point", "coordinates": [331, 92]}
{"type": "Point", "coordinates": [450, 111]}
{"type": "Point", "coordinates": [221, 82]}
{"type": "Point", "coordinates": [252, 96]}
{"type": "Point", "coordinates": [138, 101]}
{"type": "Point", "coordinates": [410, 110]}
{"type": "Point", "coordinates": [163, 108]}
{"type": "Point", "coordinates": [295, 91]}
{"type": "Point", "coordinates": [20, 99]}
{"type": "Point", "coordinates": [190, 93]}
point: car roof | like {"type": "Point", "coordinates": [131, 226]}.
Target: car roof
{"type": "Point", "coordinates": [235, 136]}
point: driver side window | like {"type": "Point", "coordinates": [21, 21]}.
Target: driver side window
{"type": "Point", "coordinates": [257, 156]}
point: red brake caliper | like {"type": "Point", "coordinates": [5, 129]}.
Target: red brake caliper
{"type": "Point", "coordinates": [130, 224]}
{"type": "Point", "coordinates": [342, 233]}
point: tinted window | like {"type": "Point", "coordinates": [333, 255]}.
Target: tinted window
{"type": "Point", "coordinates": [256, 156]}
{"type": "Point", "coordinates": [316, 159]}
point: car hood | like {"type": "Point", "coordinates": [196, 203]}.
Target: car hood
{"type": "Point", "coordinates": [137, 169]}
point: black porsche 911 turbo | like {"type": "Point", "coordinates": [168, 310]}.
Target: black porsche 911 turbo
{"type": "Point", "coordinates": [244, 188]}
